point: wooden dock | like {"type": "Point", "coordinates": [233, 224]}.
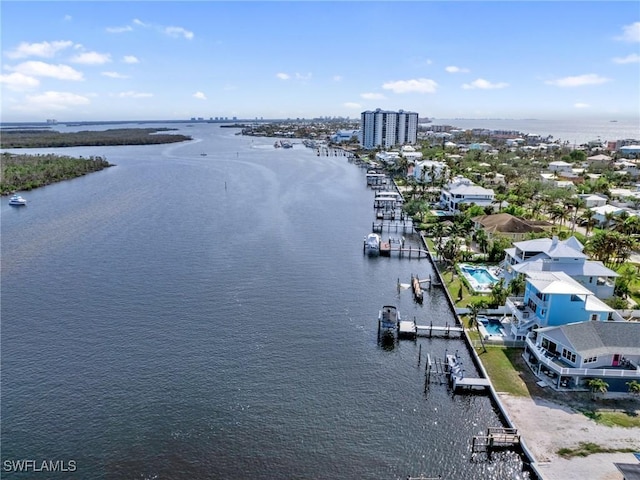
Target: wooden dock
{"type": "Point", "coordinates": [458, 379]}
{"type": "Point", "coordinates": [496, 438]}
{"type": "Point", "coordinates": [410, 329]}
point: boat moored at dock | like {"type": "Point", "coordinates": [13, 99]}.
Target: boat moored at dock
{"type": "Point", "coordinates": [372, 244]}
{"type": "Point", "coordinates": [388, 321]}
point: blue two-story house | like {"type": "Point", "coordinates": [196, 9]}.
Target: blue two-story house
{"type": "Point", "coordinates": [554, 255]}
{"type": "Point", "coordinates": [552, 299]}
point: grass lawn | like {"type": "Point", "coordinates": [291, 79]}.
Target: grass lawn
{"type": "Point", "coordinates": [614, 418]}
{"type": "Point", "coordinates": [503, 367]}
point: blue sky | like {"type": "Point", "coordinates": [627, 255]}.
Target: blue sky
{"type": "Point", "coordinates": [117, 60]}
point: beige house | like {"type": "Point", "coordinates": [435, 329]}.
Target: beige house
{"type": "Point", "coordinates": [507, 226]}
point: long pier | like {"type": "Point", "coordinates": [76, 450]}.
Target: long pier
{"type": "Point", "coordinates": [410, 329]}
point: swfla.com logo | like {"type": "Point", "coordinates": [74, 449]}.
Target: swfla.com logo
{"type": "Point", "coordinates": [26, 465]}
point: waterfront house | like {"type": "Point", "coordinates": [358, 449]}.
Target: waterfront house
{"type": "Point", "coordinates": [553, 299]}
{"type": "Point", "coordinates": [462, 191]}
{"type": "Point", "coordinates": [505, 225]}
{"type": "Point", "coordinates": [565, 357]}
{"type": "Point", "coordinates": [429, 170]}
{"type": "Point", "coordinates": [410, 154]}
{"type": "Point", "coordinates": [554, 255]}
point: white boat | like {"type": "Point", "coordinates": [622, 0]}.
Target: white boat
{"type": "Point", "coordinates": [372, 244]}
{"type": "Point", "coordinates": [17, 200]}
{"type": "Point", "coordinates": [388, 319]}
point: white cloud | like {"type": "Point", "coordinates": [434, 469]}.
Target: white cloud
{"type": "Point", "coordinates": [130, 59]}
{"type": "Point", "coordinates": [132, 94]}
{"type": "Point", "coordinates": [92, 58]}
{"type": "Point", "coordinates": [631, 58]}
{"type": "Point", "coordinates": [53, 101]}
{"type": "Point", "coordinates": [178, 32]}
{"type": "Point", "coordinates": [300, 76]}
{"type": "Point", "coordinates": [581, 105]}
{"type": "Point", "coordinates": [42, 49]}
{"type": "Point", "coordinates": [114, 75]}
{"type": "Point", "coordinates": [283, 76]}
{"type": "Point", "coordinates": [127, 28]}
{"type": "Point", "coordinates": [630, 33]}
{"type": "Point", "coordinates": [352, 105]}
{"type": "Point", "coordinates": [42, 69]}
{"type": "Point", "coordinates": [454, 69]}
{"type": "Point", "coordinates": [482, 84]}
{"type": "Point", "coordinates": [337, 78]}
{"type": "Point", "coordinates": [372, 96]}
{"type": "Point", "coordinates": [420, 85]}
{"type": "Point", "coordinates": [200, 96]}
{"type": "Point", "coordinates": [579, 80]}
{"type": "Point", "coordinates": [140, 23]}
{"type": "Point", "coordinates": [67, 18]}
{"type": "Point", "coordinates": [19, 82]}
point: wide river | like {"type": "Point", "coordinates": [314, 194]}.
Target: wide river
{"type": "Point", "coordinates": [191, 316]}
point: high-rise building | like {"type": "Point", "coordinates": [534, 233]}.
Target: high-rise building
{"type": "Point", "coordinates": [387, 129]}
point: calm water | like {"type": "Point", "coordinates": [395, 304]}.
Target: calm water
{"type": "Point", "coordinates": [181, 316]}
{"type": "Point", "coordinates": [575, 131]}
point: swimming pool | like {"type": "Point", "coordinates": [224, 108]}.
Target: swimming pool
{"type": "Point", "coordinates": [479, 277]}
{"type": "Point", "coordinates": [493, 327]}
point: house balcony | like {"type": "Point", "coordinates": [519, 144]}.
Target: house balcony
{"type": "Point", "coordinates": [523, 315]}
{"type": "Point", "coordinates": [556, 366]}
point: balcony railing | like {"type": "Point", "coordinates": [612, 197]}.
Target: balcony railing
{"type": "Point", "coordinates": [554, 365]}
{"type": "Point", "coordinates": [521, 313]}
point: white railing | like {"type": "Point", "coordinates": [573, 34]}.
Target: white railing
{"type": "Point", "coordinates": [582, 372]}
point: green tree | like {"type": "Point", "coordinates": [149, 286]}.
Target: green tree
{"type": "Point", "coordinates": [597, 385]}
{"type": "Point", "coordinates": [634, 387]}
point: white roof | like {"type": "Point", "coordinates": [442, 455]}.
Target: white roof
{"type": "Point", "coordinates": [571, 247]}
{"type": "Point", "coordinates": [589, 268]}
{"type": "Point", "coordinates": [604, 209]}
{"type": "Point", "coordinates": [556, 283]}
{"type": "Point", "coordinates": [594, 304]}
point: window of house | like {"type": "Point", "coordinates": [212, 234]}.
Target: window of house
{"type": "Point", "coordinates": [591, 360]}
{"type": "Point", "coordinates": [569, 355]}
{"type": "Point", "coordinates": [575, 298]}
{"type": "Point", "coordinates": [594, 317]}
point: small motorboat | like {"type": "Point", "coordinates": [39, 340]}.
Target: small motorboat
{"type": "Point", "coordinates": [17, 200]}
{"type": "Point", "coordinates": [372, 244]}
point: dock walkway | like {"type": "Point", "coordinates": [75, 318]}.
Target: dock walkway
{"type": "Point", "coordinates": [457, 378]}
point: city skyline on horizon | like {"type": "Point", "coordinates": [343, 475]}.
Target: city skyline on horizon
{"type": "Point", "coordinates": [128, 61]}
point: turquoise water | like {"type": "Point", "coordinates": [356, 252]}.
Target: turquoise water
{"type": "Point", "coordinates": [493, 327]}
{"type": "Point", "coordinates": [480, 275]}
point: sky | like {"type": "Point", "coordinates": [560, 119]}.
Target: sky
{"type": "Point", "coordinates": [146, 60]}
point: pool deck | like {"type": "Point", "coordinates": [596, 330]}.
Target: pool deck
{"type": "Point", "coordinates": [475, 285]}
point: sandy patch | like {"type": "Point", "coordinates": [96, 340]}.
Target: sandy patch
{"type": "Point", "coordinates": [547, 426]}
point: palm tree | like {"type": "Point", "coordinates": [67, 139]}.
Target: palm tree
{"type": "Point", "coordinates": [482, 240]}
{"type": "Point", "coordinates": [634, 387]}
{"type": "Point", "coordinates": [576, 203]}
{"type": "Point", "coordinates": [516, 285]}
{"type": "Point", "coordinates": [597, 385]}
{"type": "Point", "coordinates": [499, 293]}
{"type": "Point", "coordinates": [590, 222]}
{"type": "Point", "coordinates": [474, 310]}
